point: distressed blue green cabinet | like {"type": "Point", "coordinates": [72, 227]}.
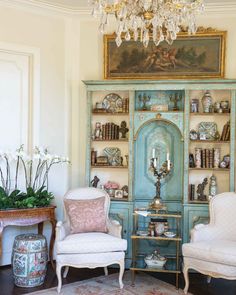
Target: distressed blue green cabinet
{"type": "Point", "coordinates": [160, 124]}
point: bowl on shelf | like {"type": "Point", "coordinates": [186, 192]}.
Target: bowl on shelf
{"type": "Point", "coordinates": [142, 233]}
{"type": "Point", "coordinates": [155, 261]}
{"type": "Point", "coordinates": [169, 234]}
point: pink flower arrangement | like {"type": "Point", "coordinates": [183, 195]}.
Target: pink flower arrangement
{"type": "Point", "coordinates": [111, 185]}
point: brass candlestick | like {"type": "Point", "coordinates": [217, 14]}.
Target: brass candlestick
{"type": "Point", "coordinates": [175, 98]}
{"type": "Point", "coordinates": [160, 173]}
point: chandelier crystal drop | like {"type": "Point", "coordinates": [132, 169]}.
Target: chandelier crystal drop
{"type": "Point", "coordinates": [144, 20]}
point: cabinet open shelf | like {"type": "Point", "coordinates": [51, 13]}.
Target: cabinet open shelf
{"type": "Point", "coordinates": [154, 269]}
{"type": "Point", "coordinates": [160, 238]}
{"type": "Point", "coordinates": [210, 169]}
{"type": "Point", "coordinates": [109, 166]}
{"type": "Point", "coordinates": [198, 202]}
{"type": "Point", "coordinates": [120, 199]}
{"type": "Point", "coordinates": [210, 114]}
{"type": "Point", "coordinates": [149, 111]}
{"type": "Point", "coordinates": [210, 141]}
{"type": "Point", "coordinates": [113, 140]}
{"type": "Point", "coordinates": [110, 114]}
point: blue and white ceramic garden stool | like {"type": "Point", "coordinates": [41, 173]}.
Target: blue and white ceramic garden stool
{"type": "Point", "coordinates": [29, 260]}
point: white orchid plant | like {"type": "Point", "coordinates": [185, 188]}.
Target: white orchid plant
{"type": "Point", "coordinates": [35, 169]}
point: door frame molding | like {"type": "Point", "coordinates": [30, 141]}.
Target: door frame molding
{"type": "Point", "coordinates": [33, 54]}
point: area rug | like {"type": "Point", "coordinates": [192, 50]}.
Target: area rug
{"type": "Point", "coordinates": [144, 285]}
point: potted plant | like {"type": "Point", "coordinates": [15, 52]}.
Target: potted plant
{"type": "Point", "coordinates": [24, 178]}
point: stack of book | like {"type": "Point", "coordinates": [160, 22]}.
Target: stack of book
{"type": "Point", "coordinates": [207, 157]}
{"type": "Point", "coordinates": [225, 136]}
{"type": "Point", "coordinates": [110, 131]}
{"type": "Point", "coordinates": [192, 192]}
{"type": "Point", "coordinates": [125, 105]}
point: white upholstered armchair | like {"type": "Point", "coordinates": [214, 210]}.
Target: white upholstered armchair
{"type": "Point", "coordinates": [212, 250]}
{"type": "Point", "coordinates": [93, 249]}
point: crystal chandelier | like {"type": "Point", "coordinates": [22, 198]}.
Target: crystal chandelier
{"type": "Point", "coordinates": [143, 20]}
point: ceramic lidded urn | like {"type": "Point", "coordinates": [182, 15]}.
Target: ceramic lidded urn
{"type": "Point", "coordinates": [207, 102]}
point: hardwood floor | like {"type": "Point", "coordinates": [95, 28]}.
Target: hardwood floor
{"type": "Point", "coordinates": [198, 283]}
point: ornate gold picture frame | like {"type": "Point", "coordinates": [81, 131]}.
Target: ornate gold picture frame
{"type": "Point", "coordinates": [189, 57]}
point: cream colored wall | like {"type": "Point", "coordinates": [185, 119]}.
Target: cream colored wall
{"type": "Point", "coordinates": [91, 65]}
{"type": "Point", "coordinates": [48, 35]}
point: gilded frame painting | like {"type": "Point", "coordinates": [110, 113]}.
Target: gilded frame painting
{"type": "Point", "coordinates": [189, 57]}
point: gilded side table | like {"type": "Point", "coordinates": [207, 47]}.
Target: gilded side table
{"type": "Point", "coordinates": [28, 217]}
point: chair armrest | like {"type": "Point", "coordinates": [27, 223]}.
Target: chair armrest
{"type": "Point", "coordinates": [62, 230]}
{"type": "Point", "coordinates": [114, 228]}
{"type": "Point", "coordinates": [202, 232]}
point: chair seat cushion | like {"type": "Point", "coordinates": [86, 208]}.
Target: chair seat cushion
{"type": "Point", "coordinates": [90, 243]}
{"type": "Point", "coordinates": [218, 251]}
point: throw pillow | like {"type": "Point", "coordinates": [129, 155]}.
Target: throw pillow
{"type": "Point", "coordinates": [86, 215]}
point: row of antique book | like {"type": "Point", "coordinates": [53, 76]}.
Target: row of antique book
{"type": "Point", "coordinates": [110, 131]}
{"type": "Point", "coordinates": [205, 158]}
{"type": "Point", "coordinates": [225, 136]}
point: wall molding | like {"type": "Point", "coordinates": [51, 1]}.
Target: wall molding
{"type": "Point", "coordinates": [34, 86]}
{"type": "Point", "coordinates": [44, 7]}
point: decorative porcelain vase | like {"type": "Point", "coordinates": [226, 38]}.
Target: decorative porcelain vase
{"type": "Point", "coordinates": [212, 186]}
{"type": "Point", "coordinates": [198, 161]}
{"type": "Point", "coordinates": [207, 102]}
{"type": "Point", "coordinates": [216, 157]}
{"type": "Point", "coordinates": [29, 260]}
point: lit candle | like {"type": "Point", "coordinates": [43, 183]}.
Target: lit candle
{"type": "Point", "coordinates": [168, 165]}
{"type": "Point", "coordinates": [155, 163]}
{"type": "Point", "coordinates": [154, 153]}
{"type": "Point", "coordinates": [167, 156]}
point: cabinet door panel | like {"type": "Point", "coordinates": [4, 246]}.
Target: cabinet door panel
{"type": "Point", "coordinates": [194, 216]}
{"type": "Point", "coordinates": [124, 217]}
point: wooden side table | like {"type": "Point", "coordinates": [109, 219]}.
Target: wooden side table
{"type": "Point", "coordinates": [28, 217]}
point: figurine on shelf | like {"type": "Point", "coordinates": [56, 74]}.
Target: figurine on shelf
{"type": "Point", "coordinates": [123, 129]}
{"type": "Point", "coordinates": [95, 181]}
{"type": "Point", "coordinates": [127, 159]}
{"type": "Point", "coordinates": [121, 161]}
{"type": "Point", "coordinates": [98, 131]}
{"type": "Point", "coordinates": [200, 190]}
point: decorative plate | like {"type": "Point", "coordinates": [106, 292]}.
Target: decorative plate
{"type": "Point", "coordinates": [207, 130]}
{"type": "Point", "coordinates": [112, 102]}
{"type": "Point", "coordinates": [114, 155]}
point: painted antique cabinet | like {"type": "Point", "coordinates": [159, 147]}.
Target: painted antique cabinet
{"type": "Point", "coordinates": [160, 116]}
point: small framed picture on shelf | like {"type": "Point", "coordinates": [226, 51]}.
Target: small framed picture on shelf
{"type": "Point", "coordinates": [119, 194]}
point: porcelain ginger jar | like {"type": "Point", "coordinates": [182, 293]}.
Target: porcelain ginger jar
{"type": "Point", "coordinates": [207, 102]}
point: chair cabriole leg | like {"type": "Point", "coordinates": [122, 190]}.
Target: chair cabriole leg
{"type": "Point", "coordinates": [66, 272]}
{"type": "Point", "coordinates": [186, 278]}
{"type": "Point", "coordinates": [122, 268]}
{"type": "Point", "coordinates": [58, 271]}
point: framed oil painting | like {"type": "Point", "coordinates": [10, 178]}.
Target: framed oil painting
{"type": "Point", "coordinates": [189, 57]}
